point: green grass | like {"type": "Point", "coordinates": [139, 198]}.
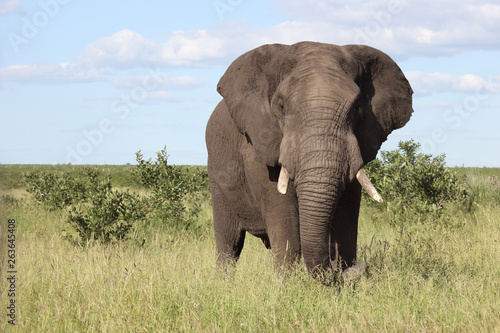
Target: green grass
{"type": "Point", "coordinates": [11, 176]}
{"type": "Point", "coordinates": [426, 275]}
{"type": "Point", "coordinates": [484, 172]}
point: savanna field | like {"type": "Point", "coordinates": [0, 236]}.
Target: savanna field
{"type": "Point", "coordinates": [131, 249]}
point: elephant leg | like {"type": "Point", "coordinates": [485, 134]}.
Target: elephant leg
{"type": "Point", "coordinates": [344, 234]}
{"type": "Point", "coordinates": [229, 237]}
{"type": "Point", "coordinates": [284, 237]}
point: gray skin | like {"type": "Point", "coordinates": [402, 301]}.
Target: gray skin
{"type": "Point", "coordinates": [319, 110]}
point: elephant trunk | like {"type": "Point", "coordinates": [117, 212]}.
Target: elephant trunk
{"type": "Point", "coordinates": [320, 183]}
{"type": "Point", "coordinates": [323, 160]}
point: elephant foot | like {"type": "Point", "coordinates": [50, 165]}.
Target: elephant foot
{"type": "Point", "coordinates": [355, 271]}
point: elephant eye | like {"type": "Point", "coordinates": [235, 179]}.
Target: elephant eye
{"type": "Point", "coordinates": [279, 106]}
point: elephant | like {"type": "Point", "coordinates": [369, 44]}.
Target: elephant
{"type": "Point", "coordinates": [287, 145]}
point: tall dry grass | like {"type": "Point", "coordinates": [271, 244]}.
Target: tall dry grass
{"type": "Point", "coordinates": [425, 275]}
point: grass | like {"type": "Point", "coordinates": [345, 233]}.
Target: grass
{"type": "Point", "coordinates": [425, 275]}
{"type": "Point", "coordinates": [11, 176]}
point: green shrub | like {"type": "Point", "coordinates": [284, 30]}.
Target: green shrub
{"type": "Point", "coordinates": [97, 211]}
{"type": "Point", "coordinates": [57, 190]}
{"type": "Point", "coordinates": [107, 215]}
{"type": "Point", "coordinates": [169, 187]}
{"type": "Point", "coordinates": [410, 180]}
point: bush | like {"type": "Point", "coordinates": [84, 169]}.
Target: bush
{"type": "Point", "coordinates": [57, 189]}
{"type": "Point", "coordinates": [410, 180]}
{"type": "Point", "coordinates": [107, 215]}
{"type": "Point", "coordinates": [95, 210]}
{"type": "Point", "coordinates": [169, 187]}
{"type": "Point", "coordinates": [98, 212]}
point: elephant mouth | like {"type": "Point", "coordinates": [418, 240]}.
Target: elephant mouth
{"type": "Point", "coordinates": [361, 176]}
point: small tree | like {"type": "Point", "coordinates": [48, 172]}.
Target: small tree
{"type": "Point", "coordinates": [56, 189]}
{"type": "Point", "coordinates": [107, 214]}
{"type": "Point", "coordinates": [169, 186]}
{"type": "Point", "coordinates": [410, 179]}
{"type": "Point", "coordinates": [98, 212]}
{"type": "Point", "coordinates": [95, 209]}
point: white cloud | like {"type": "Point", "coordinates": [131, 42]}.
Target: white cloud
{"type": "Point", "coordinates": [63, 73]}
{"type": "Point", "coordinates": [122, 49]}
{"type": "Point", "coordinates": [189, 48]}
{"type": "Point", "coordinates": [128, 49]}
{"type": "Point", "coordinates": [52, 73]}
{"type": "Point", "coordinates": [428, 83]}
{"type": "Point", "coordinates": [486, 12]}
{"type": "Point", "coordinates": [198, 48]}
{"type": "Point", "coordinates": [10, 6]}
{"type": "Point", "coordinates": [165, 82]}
{"type": "Point", "coordinates": [402, 27]}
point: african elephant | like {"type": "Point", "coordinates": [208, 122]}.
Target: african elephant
{"type": "Point", "coordinates": [294, 129]}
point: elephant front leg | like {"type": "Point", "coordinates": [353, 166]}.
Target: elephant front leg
{"type": "Point", "coordinates": [229, 238]}
{"type": "Point", "coordinates": [284, 237]}
{"type": "Point", "coordinates": [344, 233]}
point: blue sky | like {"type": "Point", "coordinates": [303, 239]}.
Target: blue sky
{"type": "Point", "coordinates": [93, 82]}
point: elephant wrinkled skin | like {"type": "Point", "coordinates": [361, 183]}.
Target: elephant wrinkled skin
{"type": "Point", "coordinates": [311, 115]}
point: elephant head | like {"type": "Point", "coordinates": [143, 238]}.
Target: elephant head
{"type": "Point", "coordinates": [320, 112]}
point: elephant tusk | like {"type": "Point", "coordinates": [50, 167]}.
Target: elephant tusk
{"type": "Point", "coordinates": [283, 180]}
{"type": "Point", "coordinates": [368, 186]}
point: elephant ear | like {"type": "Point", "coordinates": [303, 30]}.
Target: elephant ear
{"type": "Point", "coordinates": [385, 100]}
{"type": "Point", "coordinates": [247, 87]}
